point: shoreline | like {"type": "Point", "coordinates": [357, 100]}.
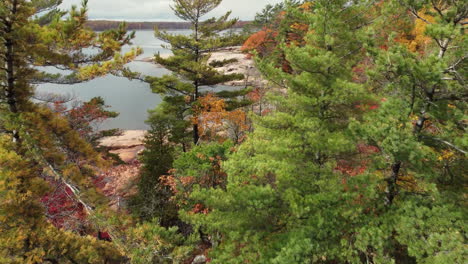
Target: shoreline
{"type": "Point", "coordinates": [128, 145]}
{"type": "Point", "coordinates": [242, 65]}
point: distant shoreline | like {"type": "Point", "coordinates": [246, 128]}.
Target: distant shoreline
{"type": "Point", "coordinates": [100, 25]}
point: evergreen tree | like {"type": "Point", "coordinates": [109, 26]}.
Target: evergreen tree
{"type": "Point", "coordinates": [270, 13]}
{"type": "Point", "coordinates": [198, 168]}
{"type": "Point", "coordinates": [36, 143]}
{"type": "Point", "coordinates": [86, 117]}
{"type": "Point", "coordinates": [153, 197]}
{"type": "Point", "coordinates": [26, 235]}
{"type": "Point", "coordinates": [168, 134]}
{"type": "Point", "coordinates": [170, 122]}
{"type": "Point", "coordinates": [336, 175]}
{"type": "Point", "coordinates": [420, 130]}
{"type": "Point", "coordinates": [284, 201]}
{"type": "Point", "coordinates": [189, 63]}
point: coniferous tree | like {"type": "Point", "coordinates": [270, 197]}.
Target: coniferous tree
{"type": "Point", "coordinates": [270, 13]}
{"type": "Point", "coordinates": [189, 63]}
{"type": "Point", "coordinates": [172, 119]}
{"type": "Point", "coordinates": [168, 133]}
{"type": "Point", "coordinates": [36, 143]}
{"type": "Point", "coordinates": [338, 176]}
{"type": "Point", "coordinates": [153, 199]}
{"type": "Point", "coordinates": [284, 201]}
{"type": "Point", "coordinates": [420, 131]}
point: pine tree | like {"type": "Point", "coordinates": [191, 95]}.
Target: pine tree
{"type": "Point", "coordinates": [38, 144]}
{"type": "Point", "coordinates": [189, 63]}
{"type": "Point", "coordinates": [153, 199]}
{"type": "Point", "coordinates": [285, 201]}
{"type": "Point", "coordinates": [270, 13]}
{"type": "Point", "coordinates": [26, 235]}
{"type": "Point", "coordinates": [172, 119]}
{"type": "Point", "coordinates": [198, 168]}
{"type": "Point", "coordinates": [84, 117]}
{"type": "Point", "coordinates": [420, 130]}
{"type": "Point", "coordinates": [336, 175]}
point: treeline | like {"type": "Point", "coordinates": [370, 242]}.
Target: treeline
{"type": "Point", "coordinates": [101, 25]}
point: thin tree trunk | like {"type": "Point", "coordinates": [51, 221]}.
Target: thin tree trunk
{"type": "Point", "coordinates": [10, 68]}
{"type": "Point", "coordinates": [10, 62]}
{"type": "Point", "coordinates": [392, 186]}
{"type": "Point", "coordinates": [196, 135]}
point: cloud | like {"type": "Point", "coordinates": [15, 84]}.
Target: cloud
{"type": "Point", "coordinates": [159, 10]}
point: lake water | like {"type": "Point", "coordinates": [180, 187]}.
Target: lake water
{"type": "Point", "coordinates": [132, 99]}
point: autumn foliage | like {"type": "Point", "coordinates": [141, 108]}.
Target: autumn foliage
{"type": "Point", "coordinates": [265, 41]}
{"type": "Point", "coordinates": [62, 210]}
{"type": "Point", "coordinates": [416, 40]}
{"type": "Point", "coordinates": [215, 122]}
{"type": "Point", "coordinates": [261, 42]}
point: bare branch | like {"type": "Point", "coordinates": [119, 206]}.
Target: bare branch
{"type": "Point", "coordinates": [455, 64]}
{"type": "Point", "coordinates": [447, 143]}
{"type": "Point", "coordinates": [65, 80]}
{"type": "Point", "coordinates": [415, 13]}
{"type": "Point", "coordinates": [75, 190]}
{"type": "Point", "coordinates": [52, 97]}
{"type": "Point", "coordinates": [451, 145]}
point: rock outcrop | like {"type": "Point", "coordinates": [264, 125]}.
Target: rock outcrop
{"type": "Point", "coordinates": [242, 65]}
{"type": "Point", "coordinates": [127, 146]}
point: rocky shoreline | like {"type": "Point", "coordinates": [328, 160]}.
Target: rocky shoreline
{"type": "Point", "coordinates": [128, 145]}
{"type": "Point", "coordinates": [121, 179]}
{"type": "Point", "coordinates": [242, 65]}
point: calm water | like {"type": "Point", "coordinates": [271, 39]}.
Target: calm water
{"type": "Point", "coordinates": [132, 99]}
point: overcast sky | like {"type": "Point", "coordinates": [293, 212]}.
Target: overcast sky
{"type": "Point", "coordinates": [159, 10]}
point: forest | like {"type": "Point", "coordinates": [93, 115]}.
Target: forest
{"type": "Point", "coordinates": [349, 146]}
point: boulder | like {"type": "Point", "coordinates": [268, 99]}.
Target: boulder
{"type": "Point", "coordinates": [200, 259]}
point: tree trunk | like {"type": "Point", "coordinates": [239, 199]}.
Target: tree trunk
{"type": "Point", "coordinates": [196, 136]}
{"type": "Point", "coordinates": [10, 69]}
{"type": "Point", "coordinates": [392, 190]}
